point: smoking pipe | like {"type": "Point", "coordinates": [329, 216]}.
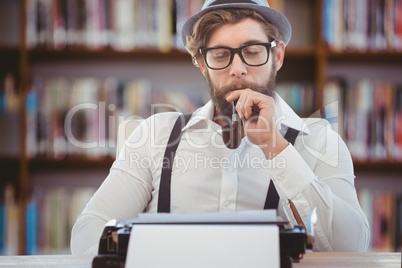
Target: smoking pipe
{"type": "Point", "coordinates": [231, 133]}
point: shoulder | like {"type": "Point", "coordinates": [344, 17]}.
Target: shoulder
{"type": "Point", "coordinates": [318, 126]}
{"type": "Point", "coordinates": [162, 121]}
{"type": "Point", "coordinates": [323, 137]}
{"type": "Point", "coordinates": [156, 122]}
{"type": "Point", "coordinates": [155, 129]}
{"type": "Point", "coordinates": [321, 134]}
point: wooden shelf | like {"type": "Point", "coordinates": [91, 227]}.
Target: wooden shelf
{"type": "Point", "coordinates": [378, 166]}
{"type": "Point", "coordinates": [302, 53]}
{"type": "Point", "coordinates": [9, 58]}
{"type": "Point", "coordinates": [9, 162]}
{"type": "Point", "coordinates": [82, 53]}
{"type": "Point", "coordinates": [365, 56]}
{"type": "Point", "coordinates": [8, 49]}
{"type": "Point", "coordinates": [42, 54]}
{"type": "Point", "coordinates": [10, 170]}
{"type": "Point", "coordinates": [71, 162]}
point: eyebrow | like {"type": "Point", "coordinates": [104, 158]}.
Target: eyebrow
{"type": "Point", "coordinates": [253, 42]}
{"type": "Point", "coordinates": [250, 42]}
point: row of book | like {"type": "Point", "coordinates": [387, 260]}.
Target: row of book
{"type": "Point", "coordinates": [383, 210]}
{"type": "Point", "coordinates": [49, 218]}
{"type": "Point", "coordinates": [119, 24]}
{"type": "Point", "coordinates": [80, 116]}
{"type": "Point", "coordinates": [368, 115]}
{"type": "Point", "coordinates": [363, 25]}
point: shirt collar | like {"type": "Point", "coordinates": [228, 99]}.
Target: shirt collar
{"type": "Point", "coordinates": [201, 115]}
{"type": "Point", "coordinates": [287, 117]}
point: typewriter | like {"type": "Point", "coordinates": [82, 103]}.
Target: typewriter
{"type": "Point", "coordinates": [113, 244]}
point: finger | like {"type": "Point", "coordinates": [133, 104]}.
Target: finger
{"type": "Point", "coordinates": [249, 102]}
{"type": "Point", "coordinates": [239, 106]}
{"type": "Point", "coordinates": [234, 95]}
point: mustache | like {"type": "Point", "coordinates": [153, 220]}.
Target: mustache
{"type": "Point", "coordinates": [237, 86]}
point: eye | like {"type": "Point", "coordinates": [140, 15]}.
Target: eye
{"type": "Point", "coordinates": [220, 54]}
{"type": "Point", "coordinates": [252, 51]}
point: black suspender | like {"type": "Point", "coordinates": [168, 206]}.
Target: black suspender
{"type": "Point", "coordinates": [271, 201]}
{"type": "Point", "coordinates": [166, 175]}
{"type": "Point", "coordinates": [291, 135]}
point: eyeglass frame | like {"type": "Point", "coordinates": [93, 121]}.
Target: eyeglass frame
{"type": "Point", "coordinates": [233, 51]}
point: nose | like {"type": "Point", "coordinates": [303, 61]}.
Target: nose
{"type": "Point", "coordinates": [238, 67]}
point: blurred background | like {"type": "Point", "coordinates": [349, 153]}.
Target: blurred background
{"type": "Point", "coordinates": [72, 70]}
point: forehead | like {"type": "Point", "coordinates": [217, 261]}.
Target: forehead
{"type": "Point", "coordinates": [237, 34]}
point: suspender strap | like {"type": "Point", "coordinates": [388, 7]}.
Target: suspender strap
{"type": "Point", "coordinates": [166, 175]}
{"type": "Point", "coordinates": [291, 135]}
{"type": "Point", "coordinates": [272, 200]}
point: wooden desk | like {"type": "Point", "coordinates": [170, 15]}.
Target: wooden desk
{"type": "Point", "coordinates": [310, 260]}
{"type": "Point", "coordinates": [355, 260]}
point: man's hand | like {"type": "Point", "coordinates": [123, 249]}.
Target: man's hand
{"type": "Point", "coordinates": [257, 112]}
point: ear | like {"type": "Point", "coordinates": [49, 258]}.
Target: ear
{"type": "Point", "coordinates": [279, 55]}
{"type": "Point", "coordinates": [199, 62]}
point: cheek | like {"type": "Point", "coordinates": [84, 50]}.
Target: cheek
{"type": "Point", "coordinates": [218, 78]}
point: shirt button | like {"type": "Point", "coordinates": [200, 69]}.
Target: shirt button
{"type": "Point", "coordinates": [281, 177]}
{"type": "Point", "coordinates": [226, 204]}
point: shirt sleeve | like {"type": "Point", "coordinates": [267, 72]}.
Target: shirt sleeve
{"type": "Point", "coordinates": [124, 194]}
{"type": "Point", "coordinates": [327, 185]}
{"type": "Point", "coordinates": [121, 196]}
{"type": "Point", "coordinates": [129, 187]}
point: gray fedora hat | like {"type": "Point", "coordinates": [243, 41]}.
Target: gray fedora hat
{"type": "Point", "coordinates": [272, 16]}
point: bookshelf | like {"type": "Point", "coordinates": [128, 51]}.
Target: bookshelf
{"type": "Point", "coordinates": [44, 59]}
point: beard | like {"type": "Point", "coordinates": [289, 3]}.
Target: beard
{"type": "Point", "coordinates": [223, 108]}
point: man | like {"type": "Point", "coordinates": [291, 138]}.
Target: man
{"type": "Point", "coordinates": [238, 46]}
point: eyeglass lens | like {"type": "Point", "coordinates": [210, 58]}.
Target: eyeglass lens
{"type": "Point", "coordinates": [253, 55]}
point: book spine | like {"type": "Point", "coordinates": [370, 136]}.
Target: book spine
{"type": "Point", "coordinates": [31, 217]}
{"type": "Point", "coordinates": [2, 227]}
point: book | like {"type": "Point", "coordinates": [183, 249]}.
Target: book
{"type": "Point", "coordinates": [11, 221]}
{"type": "Point", "coordinates": [365, 197]}
{"type": "Point", "coordinates": [31, 216]}
{"type": "Point", "coordinates": [398, 223]}
{"type": "Point", "coordinates": [2, 227]}
{"type": "Point", "coordinates": [383, 221]}
{"type": "Point", "coordinates": [334, 103]}
{"type": "Point", "coordinates": [398, 123]}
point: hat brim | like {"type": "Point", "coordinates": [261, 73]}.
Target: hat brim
{"type": "Point", "coordinates": [272, 16]}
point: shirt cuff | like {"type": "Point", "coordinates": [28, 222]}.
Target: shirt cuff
{"type": "Point", "coordinates": [290, 172]}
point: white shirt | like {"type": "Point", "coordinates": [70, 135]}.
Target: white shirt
{"type": "Point", "coordinates": [207, 177]}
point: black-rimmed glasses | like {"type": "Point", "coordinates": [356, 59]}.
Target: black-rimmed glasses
{"type": "Point", "coordinates": [218, 58]}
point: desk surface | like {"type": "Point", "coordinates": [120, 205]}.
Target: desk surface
{"type": "Point", "coordinates": [310, 260]}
